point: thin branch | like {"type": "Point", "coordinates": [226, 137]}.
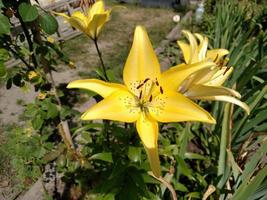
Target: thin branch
{"type": "Point", "coordinates": [29, 40]}
{"type": "Point", "coordinates": [101, 60]}
{"type": "Point", "coordinates": [167, 184]}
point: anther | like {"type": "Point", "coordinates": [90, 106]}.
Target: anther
{"type": "Point", "coordinates": [150, 98]}
{"type": "Point", "coordinates": [139, 85]}
{"type": "Point", "coordinates": [146, 80]}
{"type": "Point", "coordinates": [157, 83]}
{"type": "Point", "coordinates": [161, 90]}
{"type": "Point", "coordinates": [216, 58]}
{"type": "Point", "coordinates": [226, 70]}
{"type": "Point", "coordinates": [140, 95]}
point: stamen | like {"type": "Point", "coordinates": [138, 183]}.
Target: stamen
{"type": "Point", "coordinates": [226, 70]}
{"type": "Point", "coordinates": [146, 80]}
{"type": "Point", "coordinates": [150, 98]}
{"type": "Point", "coordinates": [139, 85]}
{"type": "Point", "coordinates": [161, 90]}
{"type": "Point", "coordinates": [157, 83]}
{"type": "Point", "coordinates": [140, 95]}
{"type": "Point", "coordinates": [216, 58]}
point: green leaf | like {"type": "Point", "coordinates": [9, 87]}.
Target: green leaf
{"type": "Point", "coordinates": [37, 122]}
{"type": "Point", "coordinates": [134, 154]}
{"type": "Point", "coordinates": [1, 4]}
{"type": "Point", "coordinates": [48, 23]}
{"type": "Point", "coordinates": [31, 110]}
{"type": "Point", "coordinates": [52, 111]}
{"type": "Point", "coordinates": [107, 156]}
{"type": "Point", "coordinates": [248, 187]}
{"type": "Point", "coordinates": [195, 156]}
{"type": "Point", "coordinates": [183, 168]}
{"type": "Point", "coordinates": [2, 70]}
{"type": "Point", "coordinates": [86, 136]}
{"type": "Point", "coordinates": [28, 12]}
{"type": "Point", "coordinates": [180, 187]}
{"type": "Point", "coordinates": [4, 25]}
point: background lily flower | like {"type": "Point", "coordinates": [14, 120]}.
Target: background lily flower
{"type": "Point", "coordinates": [206, 84]}
{"type": "Point", "coordinates": [143, 98]}
{"type": "Point", "coordinates": [91, 22]}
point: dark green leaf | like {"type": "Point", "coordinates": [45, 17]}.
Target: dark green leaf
{"type": "Point", "coordinates": [52, 111]}
{"type": "Point", "coordinates": [48, 23]}
{"type": "Point", "coordinates": [17, 80]}
{"type": "Point", "coordinates": [37, 122]}
{"type": "Point", "coordinates": [134, 154]}
{"type": "Point", "coordinates": [4, 25]}
{"type": "Point", "coordinates": [1, 4]}
{"type": "Point", "coordinates": [9, 84]}
{"type": "Point", "coordinates": [107, 156]}
{"type": "Point", "coordinates": [2, 70]}
{"type": "Point", "coordinates": [28, 12]}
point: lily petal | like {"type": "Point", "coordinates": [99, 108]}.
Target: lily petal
{"type": "Point", "coordinates": [173, 77]}
{"type": "Point", "coordinates": [203, 49]}
{"type": "Point", "coordinates": [175, 107]}
{"type": "Point", "coordinates": [203, 90]}
{"type": "Point", "coordinates": [226, 99]}
{"type": "Point", "coordinates": [147, 129]}
{"type": "Point", "coordinates": [78, 20]}
{"type": "Point", "coordinates": [185, 50]}
{"type": "Point", "coordinates": [193, 46]}
{"type": "Point", "coordinates": [62, 15]}
{"type": "Point", "coordinates": [96, 24]}
{"type": "Point", "coordinates": [97, 8]}
{"type": "Point", "coordinates": [100, 87]}
{"type": "Point", "coordinates": [216, 54]}
{"type": "Point", "coordinates": [220, 76]}
{"type": "Point", "coordinates": [119, 106]}
{"type": "Point", "coordinates": [142, 62]}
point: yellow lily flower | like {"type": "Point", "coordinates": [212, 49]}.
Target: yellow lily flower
{"type": "Point", "coordinates": [91, 22]}
{"type": "Point", "coordinates": [143, 98]}
{"type": "Point", "coordinates": [206, 84]}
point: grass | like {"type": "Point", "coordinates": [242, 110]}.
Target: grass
{"type": "Point", "coordinates": [116, 38]}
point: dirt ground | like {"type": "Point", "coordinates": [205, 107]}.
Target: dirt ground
{"type": "Point", "coordinates": [114, 42]}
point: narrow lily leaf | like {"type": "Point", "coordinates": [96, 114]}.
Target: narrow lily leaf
{"type": "Point", "coordinates": [251, 166]}
{"type": "Point", "coordinates": [236, 169]}
{"type": "Point", "coordinates": [107, 156]}
{"type": "Point", "coordinates": [224, 143]}
{"type": "Point", "coordinates": [194, 156]}
{"type": "Point", "coordinates": [250, 185]}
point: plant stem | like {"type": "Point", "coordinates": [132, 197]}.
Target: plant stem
{"type": "Point", "coordinates": [101, 60]}
{"type": "Point", "coordinates": [104, 71]}
{"type": "Point", "coordinates": [224, 144]}
{"type": "Point", "coordinates": [29, 40]}
{"type": "Point", "coordinates": [64, 126]}
{"type": "Point", "coordinates": [168, 185]}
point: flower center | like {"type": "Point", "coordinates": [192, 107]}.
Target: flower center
{"type": "Point", "coordinates": [148, 90]}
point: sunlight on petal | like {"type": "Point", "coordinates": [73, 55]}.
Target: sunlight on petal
{"type": "Point", "coordinates": [202, 90]}
{"type": "Point", "coordinates": [147, 129]}
{"type": "Point", "coordinates": [119, 106]}
{"type": "Point", "coordinates": [173, 77]}
{"type": "Point", "coordinates": [142, 62]}
{"type": "Point", "coordinates": [102, 88]}
{"type": "Point", "coordinates": [175, 107]}
{"type": "Point", "coordinates": [226, 99]}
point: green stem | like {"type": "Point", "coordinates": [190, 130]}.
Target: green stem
{"type": "Point", "coordinates": [167, 184]}
{"type": "Point", "coordinates": [224, 144]}
{"type": "Point", "coordinates": [101, 60]}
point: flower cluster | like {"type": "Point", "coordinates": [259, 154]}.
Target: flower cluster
{"type": "Point", "coordinates": [149, 96]}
